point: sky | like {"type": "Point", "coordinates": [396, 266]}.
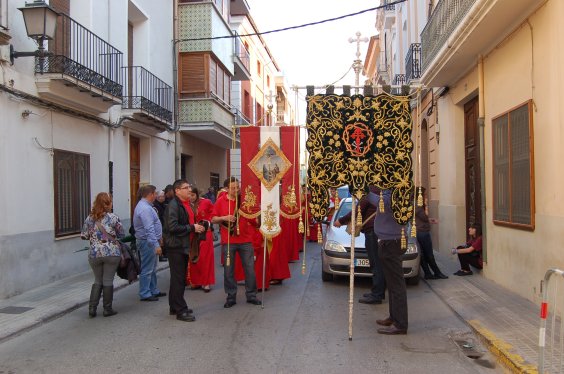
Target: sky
{"type": "Point", "coordinates": [315, 55]}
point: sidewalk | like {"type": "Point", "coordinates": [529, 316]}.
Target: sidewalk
{"type": "Point", "coordinates": [506, 322]}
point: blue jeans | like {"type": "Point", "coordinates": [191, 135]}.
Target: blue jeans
{"type": "Point", "coordinates": [148, 276]}
{"type": "Point", "coordinates": [246, 253]}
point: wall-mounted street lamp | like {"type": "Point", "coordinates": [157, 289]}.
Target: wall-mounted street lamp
{"type": "Point", "coordinates": [40, 24]}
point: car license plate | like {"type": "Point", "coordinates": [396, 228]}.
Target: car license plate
{"type": "Point", "coordinates": [362, 262]}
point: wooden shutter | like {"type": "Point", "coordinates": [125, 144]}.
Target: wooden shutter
{"type": "Point", "coordinates": [192, 74]}
{"type": "Point", "coordinates": [213, 76]}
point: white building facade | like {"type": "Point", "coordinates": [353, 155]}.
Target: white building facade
{"type": "Point", "coordinates": [94, 115]}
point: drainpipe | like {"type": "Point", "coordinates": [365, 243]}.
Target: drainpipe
{"type": "Point", "coordinates": [177, 135]}
{"type": "Point", "coordinates": [481, 129]}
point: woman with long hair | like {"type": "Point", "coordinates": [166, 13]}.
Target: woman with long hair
{"type": "Point", "coordinates": [471, 252]}
{"type": "Point", "coordinates": [201, 274]}
{"type": "Point", "coordinates": [103, 229]}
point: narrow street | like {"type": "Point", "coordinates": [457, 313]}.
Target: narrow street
{"type": "Point", "coordinates": [302, 328]}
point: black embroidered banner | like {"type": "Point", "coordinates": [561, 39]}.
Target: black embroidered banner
{"type": "Point", "coordinates": [360, 141]}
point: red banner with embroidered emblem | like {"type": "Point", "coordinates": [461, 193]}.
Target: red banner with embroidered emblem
{"type": "Point", "coordinates": [290, 183]}
{"type": "Point", "coordinates": [250, 184]}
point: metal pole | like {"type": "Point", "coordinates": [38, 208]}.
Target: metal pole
{"type": "Point", "coordinates": [357, 64]}
{"type": "Point", "coordinates": [351, 268]}
{"type": "Point", "coordinates": [263, 271]}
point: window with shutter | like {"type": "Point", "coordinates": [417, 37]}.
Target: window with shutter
{"type": "Point", "coordinates": [513, 179]}
{"type": "Point", "coordinates": [192, 75]}
{"type": "Point", "coordinates": [72, 191]}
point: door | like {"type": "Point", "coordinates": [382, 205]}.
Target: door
{"type": "Point", "coordinates": [134, 172]}
{"type": "Point", "coordinates": [472, 163]}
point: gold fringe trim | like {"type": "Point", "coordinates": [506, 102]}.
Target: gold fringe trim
{"type": "Point", "coordinates": [291, 216]}
{"type": "Point", "coordinates": [249, 216]}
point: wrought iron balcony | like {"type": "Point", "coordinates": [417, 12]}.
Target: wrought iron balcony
{"type": "Point", "coordinates": [413, 62]}
{"type": "Point", "coordinates": [399, 79]}
{"type": "Point", "coordinates": [241, 60]}
{"type": "Point", "coordinates": [240, 118]}
{"type": "Point", "coordinates": [446, 16]}
{"type": "Point", "coordinates": [145, 92]}
{"type": "Point", "coordinates": [79, 53]}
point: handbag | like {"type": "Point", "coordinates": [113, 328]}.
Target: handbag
{"type": "Point", "coordinates": [358, 228]}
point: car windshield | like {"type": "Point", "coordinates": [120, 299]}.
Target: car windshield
{"type": "Point", "coordinates": [344, 209]}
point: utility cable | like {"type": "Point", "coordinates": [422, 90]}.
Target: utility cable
{"type": "Point", "coordinates": [293, 27]}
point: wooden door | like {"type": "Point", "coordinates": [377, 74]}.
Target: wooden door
{"type": "Point", "coordinates": [472, 163]}
{"type": "Point", "coordinates": [134, 171]}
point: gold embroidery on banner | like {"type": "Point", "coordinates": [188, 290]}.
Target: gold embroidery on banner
{"type": "Point", "coordinates": [360, 141]}
{"type": "Point", "coordinates": [250, 200]}
{"type": "Point", "coordinates": [289, 199]}
{"type": "Point", "coordinates": [269, 218]}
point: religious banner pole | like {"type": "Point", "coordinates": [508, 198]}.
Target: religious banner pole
{"type": "Point", "coordinates": [263, 271]}
{"type": "Point", "coordinates": [351, 272]}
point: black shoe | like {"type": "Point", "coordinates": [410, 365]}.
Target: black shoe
{"type": "Point", "coordinates": [150, 298]}
{"type": "Point", "coordinates": [430, 276]}
{"type": "Point", "coordinates": [163, 259]}
{"type": "Point", "coordinates": [369, 300]}
{"type": "Point", "coordinates": [160, 294]}
{"type": "Point", "coordinates": [440, 276]}
{"type": "Point", "coordinates": [186, 317]}
{"type": "Point", "coordinates": [229, 304]}
{"type": "Point", "coordinates": [462, 273]}
{"type": "Point", "coordinates": [254, 301]}
{"type": "Point", "coordinates": [391, 330]}
{"type": "Point", "coordinates": [172, 312]}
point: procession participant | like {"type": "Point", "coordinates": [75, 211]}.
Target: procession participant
{"type": "Point", "coordinates": [236, 237]}
{"type": "Point", "coordinates": [279, 268]}
{"type": "Point", "coordinates": [368, 211]}
{"type": "Point", "coordinates": [202, 273]}
{"type": "Point", "coordinates": [258, 246]}
{"type": "Point", "coordinates": [179, 229]}
{"type": "Point", "coordinates": [389, 234]}
{"type": "Point", "coordinates": [148, 233]}
{"type": "Point", "coordinates": [222, 191]}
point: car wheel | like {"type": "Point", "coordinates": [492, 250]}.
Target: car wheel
{"type": "Point", "coordinates": [326, 277]}
{"type": "Point", "coordinates": [413, 281]}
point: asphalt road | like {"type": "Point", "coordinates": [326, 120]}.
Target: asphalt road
{"type": "Point", "coordinates": [303, 328]}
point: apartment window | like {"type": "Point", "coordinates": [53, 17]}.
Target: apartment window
{"type": "Point", "coordinates": [200, 75]}
{"type": "Point", "coordinates": [513, 168]}
{"type": "Point", "coordinates": [72, 191]}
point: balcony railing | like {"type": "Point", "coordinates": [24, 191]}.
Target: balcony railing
{"type": "Point", "coordinates": [241, 51]}
{"type": "Point", "coordinates": [399, 79]}
{"type": "Point", "coordinates": [445, 18]}
{"type": "Point", "coordinates": [240, 118]}
{"type": "Point", "coordinates": [81, 54]}
{"type": "Point", "coordinates": [413, 62]}
{"type": "Point", "coordinates": [143, 90]}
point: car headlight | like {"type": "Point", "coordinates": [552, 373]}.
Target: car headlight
{"type": "Point", "coordinates": [411, 248]}
{"type": "Point", "coordinates": [333, 246]}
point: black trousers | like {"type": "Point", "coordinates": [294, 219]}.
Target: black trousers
{"type": "Point", "coordinates": [390, 253]}
{"type": "Point", "coordinates": [378, 290]}
{"type": "Point", "coordinates": [178, 262]}
{"type": "Point", "coordinates": [467, 259]}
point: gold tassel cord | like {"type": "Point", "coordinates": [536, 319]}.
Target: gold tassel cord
{"type": "Point", "coordinates": [420, 197]}
{"type": "Point", "coordinates": [319, 234]}
{"type": "Point", "coordinates": [381, 205]}
{"type": "Point", "coordinates": [403, 239]}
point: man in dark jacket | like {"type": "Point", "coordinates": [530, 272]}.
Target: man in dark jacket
{"type": "Point", "coordinates": [179, 227]}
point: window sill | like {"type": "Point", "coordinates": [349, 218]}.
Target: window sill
{"type": "Point", "coordinates": [518, 226]}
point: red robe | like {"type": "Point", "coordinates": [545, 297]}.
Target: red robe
{"type": "Point", "coordinates": [279, 268]}
{"type": "Point", "coordinates": [202, 273]}
{"type": "Point", "coordinates": [294, 240]}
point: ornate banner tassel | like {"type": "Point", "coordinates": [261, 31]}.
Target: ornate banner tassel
{"type": "Point", "coordinates": [228, 258]}
{"type": "Point", "coordinates": [301, 228]}
{"type": "Point", "coordinates": [413, 229]}
{"type": "Point", "coordinates": [381, 205]}
{"type": "Point", "coordinates": [337, 202]}
{"type": "Point", "coordinates": [403, 239]}
{"type": "Point", "coordinates": [319, 234]}
{"type": "Point", "coordinates": [358, 217]}
{"type": "Point", "coordinates": [420, 197]}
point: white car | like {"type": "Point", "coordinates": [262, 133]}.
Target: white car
{"type": "Point", "coordinates": [336, 246]}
